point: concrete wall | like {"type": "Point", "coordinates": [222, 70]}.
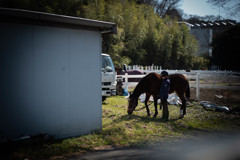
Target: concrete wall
{"type": "Point", "coordinates": [204, 37]}
{"type": "Point", "coordinates": [50, 81]}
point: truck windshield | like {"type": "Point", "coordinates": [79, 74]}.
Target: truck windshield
{"type": "Point", "coordinates": [107, 64]}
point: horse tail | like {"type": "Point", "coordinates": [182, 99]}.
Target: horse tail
{"type": "Point", "coordinates": [188, 91]}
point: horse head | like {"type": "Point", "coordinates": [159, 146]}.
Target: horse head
{"type": "Point", "coordinates": [132, 103]}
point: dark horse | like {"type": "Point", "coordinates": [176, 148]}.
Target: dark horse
{"type": "Point", "coordinates": [151, 84]}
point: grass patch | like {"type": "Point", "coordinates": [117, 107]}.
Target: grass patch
{"type": "Point", "coordinates": [121, 130]}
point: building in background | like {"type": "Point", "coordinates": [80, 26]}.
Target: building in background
{"type": "Point", "coordinates": [205, 31]}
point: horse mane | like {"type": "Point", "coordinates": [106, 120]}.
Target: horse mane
{"type": "Point", "coordinates": [139, 89]}
{"type": "Point", "coordinates": [143, 85]}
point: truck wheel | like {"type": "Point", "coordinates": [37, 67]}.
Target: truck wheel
{"type": "Point", "coordinates": [104, 98]}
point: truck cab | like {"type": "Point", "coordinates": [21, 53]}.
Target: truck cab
{"type": "Point", "coordinates": [108, 77]}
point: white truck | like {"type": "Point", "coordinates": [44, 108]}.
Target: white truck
{"type": "Point", "coordinates": [108, 77]}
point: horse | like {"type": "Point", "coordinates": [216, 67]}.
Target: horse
{"type": "Point", "coordinates": [151, 84]}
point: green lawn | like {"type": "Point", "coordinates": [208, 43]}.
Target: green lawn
{"type": "Point", "coordinates": [121, 130]}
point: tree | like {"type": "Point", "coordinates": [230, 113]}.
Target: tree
{"type": "Point", "coordinates": [231, 6]}
{"type": "Point", "coordinates": [226, 49]}
{"type": "Point", "coordinates": [147, 30]}
{"type": "Point", "coordinates": [164, 7]}
{"type": "Point", "coordinates": [199, 19]}
{"type": "Point", "coordinates": [168, 8]}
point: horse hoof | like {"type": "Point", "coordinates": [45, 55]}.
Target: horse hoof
{"type": "Point", "coordinates": [181, 117]}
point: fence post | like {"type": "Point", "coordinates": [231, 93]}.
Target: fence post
{"type": "Point", "coordinates": [126, 82]}
{"type": "Point", "coordinates": [215, 78]}
{"type": "Point", "coordinates": [197, 87]}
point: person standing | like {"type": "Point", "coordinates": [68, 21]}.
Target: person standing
{"type": "Point", "coordinates": [163, 93]}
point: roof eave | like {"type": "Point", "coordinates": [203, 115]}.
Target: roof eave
{"type": "Point", "coordinates": [105, 27]}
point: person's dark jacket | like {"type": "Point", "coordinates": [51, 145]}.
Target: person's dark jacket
{"type": "Point", "coordinates": [163, 94]}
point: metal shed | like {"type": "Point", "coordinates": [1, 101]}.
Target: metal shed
{"type": "Point", "coordinates": [50, 68]}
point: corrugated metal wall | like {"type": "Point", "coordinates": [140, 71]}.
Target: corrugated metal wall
{"type": "Point", "coordinates": [50, 81]}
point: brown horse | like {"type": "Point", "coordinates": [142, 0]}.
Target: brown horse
{"type": "Point", "coordinates": [151, 84]}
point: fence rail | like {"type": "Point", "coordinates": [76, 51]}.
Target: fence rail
{"type": "Point", "coordinates": [215, 77]}
{"type": "Point", "coordinates": [158, 69]}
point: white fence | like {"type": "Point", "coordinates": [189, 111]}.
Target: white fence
{"type": "Point", "coordinates": [158, 69]}
{"type": "Point", "coordinates": [198, 79]}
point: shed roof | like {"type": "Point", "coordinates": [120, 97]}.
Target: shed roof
{"type": "Point", "coordinates": [41, 18]}
{"type": "Point", "coordinates": [215, 24]}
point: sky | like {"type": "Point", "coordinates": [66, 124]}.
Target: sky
{"type": "Point", "coordinates": [202, 8]}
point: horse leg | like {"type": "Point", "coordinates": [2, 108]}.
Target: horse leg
{"type": "Point", "coordinates": [155, 105]}
{"type": "Point", "coordinates": [165, 112]}
{"type": "Point", "coordinates": [183, 107]}
{"type": "Point", "coordinates": [146, 105]}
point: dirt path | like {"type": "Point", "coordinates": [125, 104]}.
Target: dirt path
{"type": "Point", "coordinates": [229, 96]}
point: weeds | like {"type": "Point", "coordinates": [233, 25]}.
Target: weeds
{"type": "Point", "coordinates": [121, 130]}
